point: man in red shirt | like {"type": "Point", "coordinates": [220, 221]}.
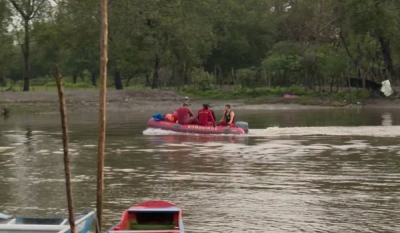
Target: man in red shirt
{"type": "Point", "coordinates": [204, 114]}
{"type": "Point", "coordinates": [183, 118]}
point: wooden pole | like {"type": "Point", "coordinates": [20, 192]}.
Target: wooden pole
{"type": "Point", "coordinates": [64, 125]}
{"type": "Point", "coordinates": [102, 112]}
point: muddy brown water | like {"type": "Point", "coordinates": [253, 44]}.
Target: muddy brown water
{"type": "Point", "coordinates": [334, 170]}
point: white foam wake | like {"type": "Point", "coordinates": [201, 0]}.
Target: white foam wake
{"type": "Point", "coordinates": [373, 131]}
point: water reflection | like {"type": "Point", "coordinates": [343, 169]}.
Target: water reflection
{"type": "Point", "coordinates": [278, 182]}
{"type": "Point", "coordinates": [182, 138]}
{"type": "Point", "coordinates": [387, 119]}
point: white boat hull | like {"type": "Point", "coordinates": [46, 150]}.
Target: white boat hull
{"type": "Point", "coordinates": [46, 225]}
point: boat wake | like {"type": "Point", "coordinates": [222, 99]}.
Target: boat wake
{"type": "Point", "coordinates": [372, 131]}
{"type": "Point", "coordinates": [151, 131]}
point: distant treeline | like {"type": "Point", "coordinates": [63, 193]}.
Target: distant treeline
{"type": "Point", "coordinates": [203, 44]}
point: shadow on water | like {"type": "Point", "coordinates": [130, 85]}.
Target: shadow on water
{"type": "Point", "coordinates": [285, 183]}
{"type": "Point", "coordinates": [171, 140]}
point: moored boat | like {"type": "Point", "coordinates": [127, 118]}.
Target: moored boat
{"type": "Point", "coordinates": [151, 217]}
{"type": "Point", "coordinates": [8, 224]}
{"type": "Point", "coordinates": [240, 127]}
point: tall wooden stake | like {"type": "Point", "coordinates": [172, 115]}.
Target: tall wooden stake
{"type": "Point", "coordinates": [65, 138]}
{"type": "Point", "coordinates": [102, 112]}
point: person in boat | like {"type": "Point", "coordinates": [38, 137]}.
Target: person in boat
{"type": "Point", "coordinates": [204, 115]}
{"type": "Point", "coordinates": [175, 115]}
{"type": "Point", "coordinates": [212, 112]}
{"type": "Point", "coordinates": [183, 113]}
{"type": "Point", "coordinates": [228, 119]}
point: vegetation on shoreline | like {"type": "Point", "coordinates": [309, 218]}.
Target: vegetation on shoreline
{"type": "Point", "coordinates": [297, 95]}
{"type": "Point", "coordinates": [319, 45]}
{"type": "Point", "coordinates": [254, 95]}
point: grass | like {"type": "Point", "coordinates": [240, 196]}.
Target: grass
{"type": "Point", "coordinates": [70, 87]}
{"type": "Point", "coordinates": [49, 84]}
{"type": "Point", "coordinates": [263, 95]}
{"type": "Point", "coordinates": [275, 95]}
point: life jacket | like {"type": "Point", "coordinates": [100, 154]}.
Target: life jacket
{"type": "Point", "coordinates": [203, 116]}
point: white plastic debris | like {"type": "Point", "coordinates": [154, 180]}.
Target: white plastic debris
{"type": "Point", "coordinates": [386, 88]}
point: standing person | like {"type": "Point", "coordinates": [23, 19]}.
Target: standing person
{"type": "Point", "coordinates": [204, 115]}
{"type": "Point", "coordinates": [228, 119]}
{"type": "Point", "coordinates": [183, 113]}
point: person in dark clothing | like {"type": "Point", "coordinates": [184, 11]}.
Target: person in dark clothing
{"type": "Point", "coordinates": [213, 114]}
{"type": "Point", "coordinates": [228, 118]}
{"type": "Point", "coordinates": [183, 113]}
{"type": "Point", "coordinates": [204, 115]}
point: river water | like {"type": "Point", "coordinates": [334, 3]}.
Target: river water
{"type": "Point", "coordinates": [332, 170]}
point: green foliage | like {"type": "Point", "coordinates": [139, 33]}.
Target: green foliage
{"type": "Point", "coordinates": [202, 80]}
{"type": "Point", "coordinates": [340, 98]}
{"type": "Point", "coordinates": [248, 48]}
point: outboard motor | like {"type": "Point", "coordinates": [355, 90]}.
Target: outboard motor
{"type": "Point", "coordinates": [243, 125]}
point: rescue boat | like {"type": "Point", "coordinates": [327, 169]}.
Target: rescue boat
{"type": "Point", "coordinates": [151, 217]}
{"type": "Point", "coordinates": [239, 128]}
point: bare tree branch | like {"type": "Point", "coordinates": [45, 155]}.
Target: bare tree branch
{"type": "Point", "coordinates": [30, 6]}
{"type": "Point", "coordinates": [33, 15]}
{"type": "Point", "coordinates": [31, 9]}
{"type": "Point", "coordinates": [18, 8]}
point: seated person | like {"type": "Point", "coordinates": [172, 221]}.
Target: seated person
{"type": "Point", "coordinates": [228, 118]}
{"type": "Point", "coordinates": [175, 115]}
{"type": "Point", "coordinates": [204, 115]}
{"type": "Point", "coordinates": [213, 114]}
{"type": "Point", "coordinates": [183, 118]}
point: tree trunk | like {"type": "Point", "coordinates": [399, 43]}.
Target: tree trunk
{"type": "Point", "coordinates": [186, 80]}
{"type": "Point", "coordinates": [128, 80]}
{"type": "Point", "coordinates": [332, 82]}
{"type": "Point", "coordinates": [156, 77]}
{"type": "Point", "coordinates": [117, 80]}
{"type": "Point", "coordinates": [102, 113]}
{"type": "Point", "coordinates": [75, 77]}
{"type": "Point", "coordinates": [26, 52]}
{"type": "Point", "coordinates": [173, 77]}
{"type": "Point", "coordinates": [359, 57]}
{"type": "Point", "coordinates": [82, 77]}
{"type": "Point", "coordinates": [65, 137]}
{"type": "Point", "coordinates": [93, 78]}
{"type": "Point", "coordinates": [3, 81]}
{"type": "Point", "coordinates": [386, 53]}
{"type": "Point", "coordinates": [147, 80]}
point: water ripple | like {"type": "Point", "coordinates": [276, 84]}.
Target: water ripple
{"type": "Point", "coordinates": [274, 180]}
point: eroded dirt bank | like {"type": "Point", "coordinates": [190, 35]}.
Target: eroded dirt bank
{"type": "Point", "coordinates": [141, 100]}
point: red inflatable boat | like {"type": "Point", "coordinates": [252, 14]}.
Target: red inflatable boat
{"type": "Point", "coordinates": [240, 128]}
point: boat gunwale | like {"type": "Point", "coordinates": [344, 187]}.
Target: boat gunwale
{"type": "Point", "coordinates": [171, 127]}
{"type": "Point", "coordinates": [144, 231]}
{"type": "Point", "coordinates": [138, 208]}
{"type": "Point", "coordinates": [80, 221]}
{"type": "Point", "coordinates": [61, 228]}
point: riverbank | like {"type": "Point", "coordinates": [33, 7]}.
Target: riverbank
{"type": "Point", "coordinates": [145, 100]}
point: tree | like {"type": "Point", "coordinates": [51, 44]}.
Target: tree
{"type": "Point", "coordinates": [28, 10]}
{"type": "Point", "coordinates": [6, 44]}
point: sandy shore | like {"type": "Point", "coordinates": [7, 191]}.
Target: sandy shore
{"type": "Point", "coordinates": [143, 100]}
